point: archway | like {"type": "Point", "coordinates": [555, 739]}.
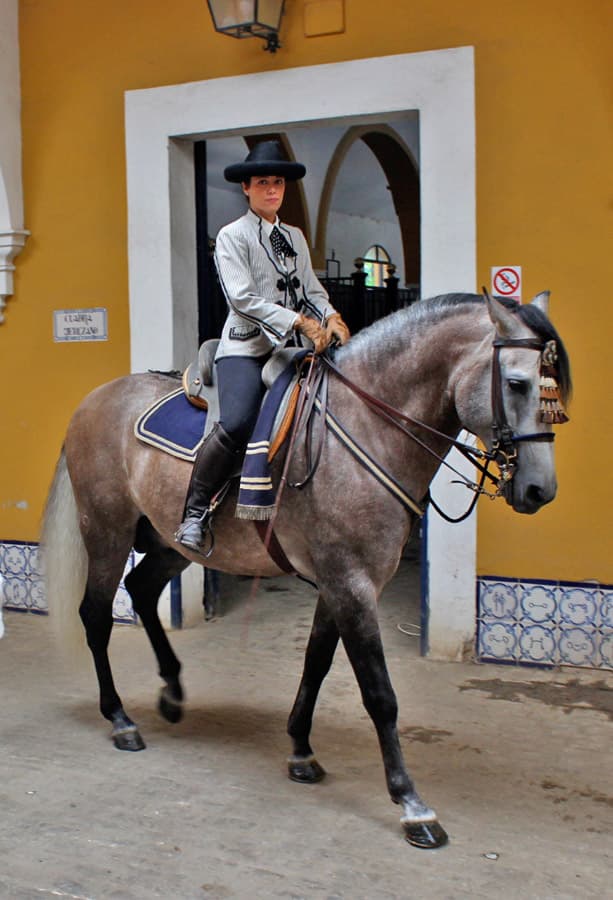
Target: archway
{"type": "Point", "coordinates": [401, 172]}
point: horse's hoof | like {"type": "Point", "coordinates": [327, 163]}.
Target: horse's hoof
{"type": "Point", "coordinates": [425, 835]}
{"type": "Point", "coordinates": [305, 771]}
{"type": "Point", "coordinates": [128, 739]}
{"type": "Point", "coordinates": [169, 708]}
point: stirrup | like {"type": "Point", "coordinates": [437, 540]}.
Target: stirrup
{"type": "Point", "coordinates": [204, 525]}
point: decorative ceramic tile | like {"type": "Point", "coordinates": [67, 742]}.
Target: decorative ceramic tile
{"type": "Point", "coordinates": [606, 608]}
{"type": "Point", "coordinates": [538, 602]}
{"type": "Point", "coordinates": [578, 605]}
{"type": "Point", "coordinates": [498, 599]}
{"type": "Point", "coordinates": [497, 641]}
{"type": "Point", "coordinates": [545, 623]}
{"type": "Point", "coordinates": [122, 604]}
{"type": "Point", "coordinates": [606, 650]}
{"type": "Point", "coordinates": [578, 646]}
{"type": "Point", "coordinates": [22, 582]}
{"type": "Point", "coordinates": [537, 644]}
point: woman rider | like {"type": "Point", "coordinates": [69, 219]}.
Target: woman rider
{"type": "Point", "coordinates": [274, 300]}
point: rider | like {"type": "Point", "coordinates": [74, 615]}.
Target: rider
{"type": "Point", "coordinates": [274, 300]}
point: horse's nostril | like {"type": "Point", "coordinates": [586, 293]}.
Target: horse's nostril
{"type": "Point", "coordinates": [535, 493]}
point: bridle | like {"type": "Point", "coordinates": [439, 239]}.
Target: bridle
{"type": "Point", "coordinates": [504, 451]}
{"type": "Point", "coordinates": [504, 446]}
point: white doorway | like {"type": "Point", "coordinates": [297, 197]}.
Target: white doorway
{"type": "Point", "coordinates": [161, 126]}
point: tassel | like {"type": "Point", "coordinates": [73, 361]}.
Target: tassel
{"type": "Point", "coordinates": [551, 409]}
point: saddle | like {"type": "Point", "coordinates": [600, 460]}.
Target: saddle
{"type": "Point", "coordinates": [200, 388]}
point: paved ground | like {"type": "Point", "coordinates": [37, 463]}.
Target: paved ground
{"type": "Point", "coordinates": [517, 763]}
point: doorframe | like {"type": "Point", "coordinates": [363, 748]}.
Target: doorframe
{"type": "Point", "coordinates": [161, 126]}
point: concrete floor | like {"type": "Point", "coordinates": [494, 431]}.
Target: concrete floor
{"type": "Point", "coordinates": [516, 762]}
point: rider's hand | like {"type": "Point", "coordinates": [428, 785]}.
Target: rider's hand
{"type": "Point", "coordinates": [336, 329]}
{"type": "Point", "coordinates": [313, 331]}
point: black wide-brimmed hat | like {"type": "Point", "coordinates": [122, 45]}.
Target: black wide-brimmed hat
{"type": "Point", "coordinates": [266, 158]}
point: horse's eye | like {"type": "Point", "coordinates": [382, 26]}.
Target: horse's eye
{"type": "Point", "coordinates": [518, 386]}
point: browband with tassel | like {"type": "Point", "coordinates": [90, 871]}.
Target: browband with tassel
{"type": "Point", "coordinates": [551, 409]}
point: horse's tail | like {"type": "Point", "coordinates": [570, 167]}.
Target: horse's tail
{"type": "Point", "coordinates": [64, 561]}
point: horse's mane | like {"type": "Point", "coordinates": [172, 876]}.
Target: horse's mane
{"type": "Point", "coordinates": [423, 314]}
{"type": "Point", "coordinates": [538, 322]}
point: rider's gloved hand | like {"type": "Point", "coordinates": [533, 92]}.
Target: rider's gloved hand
{"type": "Point", "coordinates": [313, 331]}
{"type": "Point", "coordinates": [336, 329]}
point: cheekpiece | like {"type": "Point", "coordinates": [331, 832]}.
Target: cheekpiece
{"type": "Point", "coordinates": [266, 158]}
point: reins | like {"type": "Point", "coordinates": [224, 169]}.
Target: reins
{"type": "Point", "coordinates": [396, 418]}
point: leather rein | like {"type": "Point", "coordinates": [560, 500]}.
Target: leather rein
{"type": "Point", "coordinates": [504, 446]}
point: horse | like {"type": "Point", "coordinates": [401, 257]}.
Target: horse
{"type": "Point", "coordinates": [433, 365]}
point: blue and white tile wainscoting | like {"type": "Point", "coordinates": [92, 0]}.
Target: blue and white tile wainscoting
{"type": "Point", "coordinates": [22, 587]}
{"type": "Point", "coordinates": [545, 623]}
{"type": "Point", "coordinates": [519, 621]}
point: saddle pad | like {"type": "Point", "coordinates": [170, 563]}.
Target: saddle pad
{"type": "Point", "coordinates": [172, 424]}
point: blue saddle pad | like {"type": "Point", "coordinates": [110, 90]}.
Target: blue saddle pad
{"type": "Point", "coordinates": [174, 425]}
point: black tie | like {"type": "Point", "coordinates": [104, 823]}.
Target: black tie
{"type": "Point", "coordinates": [280, 245]}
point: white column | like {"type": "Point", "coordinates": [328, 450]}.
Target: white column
{"type": "Point", "coordinates": [12, 233]}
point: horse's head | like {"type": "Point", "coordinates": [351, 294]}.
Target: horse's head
{"type": "Point", "coordinates": [502, 397]}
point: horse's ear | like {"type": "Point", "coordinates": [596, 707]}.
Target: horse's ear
{"type": "Point", "coordinates": [503, 319]}
{"type": "Point", "coordinates": [541, 301]}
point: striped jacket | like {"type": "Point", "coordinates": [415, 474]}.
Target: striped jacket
{"type": "Point", "coordinates": [264, 297]}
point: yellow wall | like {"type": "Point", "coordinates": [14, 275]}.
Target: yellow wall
{"type": "Point", "coordinates": [543, 153]}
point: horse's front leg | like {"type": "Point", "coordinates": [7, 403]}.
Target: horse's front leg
{"type": "Point", "coordinates": [302, 765]}
{"type": "Point", "coordinates": [355, 613]}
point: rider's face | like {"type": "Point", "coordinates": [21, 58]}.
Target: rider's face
{"type": "Point", "coordinates": [265, 194]}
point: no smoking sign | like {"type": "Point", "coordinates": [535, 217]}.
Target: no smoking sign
{"type": "Point", "coordinates": [506, 281]}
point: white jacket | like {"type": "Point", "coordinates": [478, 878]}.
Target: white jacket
{"type": "Point", "coordinates": [264, 298]}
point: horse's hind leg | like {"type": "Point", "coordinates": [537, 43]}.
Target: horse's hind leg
{"type": "Point", "coordinates": [302, 765]}
{"type": "Point", "coordinates": [144, 584]}
{"type": "Point", "coordinates": [96, 613]}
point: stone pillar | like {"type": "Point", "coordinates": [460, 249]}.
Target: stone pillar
{"type": "Point", "coordinates": [358, 278]}
{"type": "Point", "coordinates": [391, 289]}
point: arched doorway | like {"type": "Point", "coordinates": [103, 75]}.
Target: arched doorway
{"type": "Point", "coordinates": [402, 176]}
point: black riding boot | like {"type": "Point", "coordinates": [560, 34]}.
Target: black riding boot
{"type": "Point", "coordinates": [216, 461]}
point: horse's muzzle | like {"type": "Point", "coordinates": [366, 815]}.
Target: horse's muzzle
{"type": "Point", "coordinates": [529, 499]}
